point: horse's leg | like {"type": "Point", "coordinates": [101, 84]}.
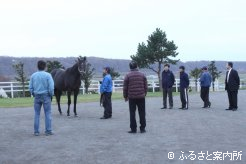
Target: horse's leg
{"type": "Point", "coordinates": [58, 98]}
{"type": "Point", "coordinates": [75, 102]}
{"type": "Point", "coordinates": [69, 102]}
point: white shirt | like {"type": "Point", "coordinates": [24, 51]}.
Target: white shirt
{"type": "Point", "coordinates": [229, 71]}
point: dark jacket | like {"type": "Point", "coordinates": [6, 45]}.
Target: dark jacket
{"type": "Point", "coordinates": [135, 85]}
{"type": "Point", "coordinates": [205, 79]}
{"type": "Point", "coordinates": [234, 81]}
{"type": "Point", "coordinates": [184, 80]}
{"type": "Point", "coordinates": [167, 79]}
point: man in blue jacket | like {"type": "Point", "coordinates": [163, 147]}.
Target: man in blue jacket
{"type": "Point", "coordinates": [167, 84]}
{"type": "Point", "coordinates": [184, 85]}
{"type": "Point", "coordinates": [106, 92]}
{"type": "Point", "coordinates": [41, 86]}
{"type": "Point", "coordinates": [205, 82]}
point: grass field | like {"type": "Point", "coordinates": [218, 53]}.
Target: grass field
{"type": "Point", "coordinates": [28, 101]}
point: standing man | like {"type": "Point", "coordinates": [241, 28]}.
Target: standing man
{"type": "Point", "coordinates": [106, 93]}
{"type": "Point", "coordinates": [167, 85]}
{"type": "Point", "coordinates": [205, 82]}
{"type": "Point", "coordinates": [42, 88]}
{"type": "Point", "coordinates": [232, 83]}
{"type": "Point", "coordinates": [184, 85]}
{"type": "Point", "coordinates": [135, 90]}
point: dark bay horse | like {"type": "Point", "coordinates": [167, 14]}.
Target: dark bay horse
{"type": "Point", "coordinates": [69, 80]}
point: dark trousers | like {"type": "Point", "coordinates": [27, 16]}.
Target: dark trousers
{"type": "Point", "coordinates": [205, 96]}
{"type": "Point", "coordinates": [133, 105]}
{"type": "Point", "coordinates": [232, 96]}
{"type": "Point", "coordinates": [167, 92]}
{"type": "Point", "coordinates": [184, 97]}
{"type": "Point", "coordinates": [107, 104]}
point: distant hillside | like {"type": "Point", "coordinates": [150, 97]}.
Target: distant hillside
{"type": "Point", "coordinates": [121, 66]}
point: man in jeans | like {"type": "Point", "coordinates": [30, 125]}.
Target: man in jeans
{"type": "Point", "coordinates": [106, 93]}
{"type": "Point", "coordinates": [135, 90]}
{"type": "Point", "coordinates": [167, 86]}
{"type": "Point", "coordinates": [42, 88]}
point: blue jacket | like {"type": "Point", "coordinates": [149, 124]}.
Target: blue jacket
{"type": "Point", "coordinates": [41, 82]}
{"type": "Point", "coordinates": [184, 80]}
{"type": "Point", "coordinates": [106, 85]}
{"type": "Point", "coordinates": [205, 79]}
{"type": "Point", "coordinates": [167, 79]}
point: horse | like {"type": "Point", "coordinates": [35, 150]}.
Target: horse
{"type": "Point", "coordinates": [69, 80]}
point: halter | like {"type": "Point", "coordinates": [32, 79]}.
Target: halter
{"type": "Point", "coordinates": [81, 72]}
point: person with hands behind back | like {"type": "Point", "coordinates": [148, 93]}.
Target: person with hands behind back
{"type": "Point", "coordinates": [134, 90]}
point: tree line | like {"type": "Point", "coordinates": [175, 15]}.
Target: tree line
{"type": "Point", "coordinates": [151, 55]}
{"type": "Point", "coordinates": [51, 65]}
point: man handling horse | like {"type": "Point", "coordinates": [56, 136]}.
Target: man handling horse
{"type": "Point", "coordinates": [106, 92]}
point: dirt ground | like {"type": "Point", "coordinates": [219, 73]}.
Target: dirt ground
{"type": "Point", "coordinates": [88, 140]}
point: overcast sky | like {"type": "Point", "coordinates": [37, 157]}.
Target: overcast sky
{"type": "Point", "coordinates": [202, 29]}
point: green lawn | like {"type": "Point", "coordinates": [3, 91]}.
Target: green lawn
{"type": "Point", "coordinates": [27, 102]}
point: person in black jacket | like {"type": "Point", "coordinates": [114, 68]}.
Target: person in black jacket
{"type": "Point", "coordinates": [167, 84]}
{"type": "Point", "coordinates": [232, 83]}
{"type": "Point", "coordinates": [184, 85]}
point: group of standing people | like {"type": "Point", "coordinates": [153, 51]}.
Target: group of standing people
{"type": "Point", "coordinates": [134, 91]}
{"type": "Point", "coordinates": [232, 83]}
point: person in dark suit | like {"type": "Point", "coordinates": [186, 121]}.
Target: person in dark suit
{"type": "Point", "coordinates": [167, 86]}
{"type": "Point", "coordinates": [232, 83]}
{"type": "Point", "coordinates": [184, 86]}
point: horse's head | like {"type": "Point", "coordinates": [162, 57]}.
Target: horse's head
{"type": "Point", "coordinates": [81, 64]}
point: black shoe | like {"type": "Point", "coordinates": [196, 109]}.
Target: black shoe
{"type": "Point", "coordinates": [49, 133]}
{"type": "Point", "coordinates": [205, 107]}
{"type": "Point", "coordinates": [104, 117]}
{"type": "Point", "coordinates": [228, 109]}
{"type": "Point", "coordinates": [143, 131]}
{"type": "Point", "coordinates": [132, 131]}
{"type": "Point", "coordinates": [164, 108]}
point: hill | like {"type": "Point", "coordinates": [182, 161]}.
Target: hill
{"type": "Point", "coordinates": [119, 65]}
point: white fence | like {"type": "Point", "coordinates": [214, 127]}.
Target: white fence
{"type": "Point", "coordinates": [14, 87]}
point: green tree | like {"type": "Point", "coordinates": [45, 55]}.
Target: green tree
{"type": "Point", "coordinates": [157, 51]}
{"type": "Point", "coordinates": [114, 74]}
{"type": "Point", "coordinates": [195, 73]}
{"type": "Point", "coordinates": [20, 76]}
{"type": "Point", "coordinates": [54, 65]}
{"type": "Point", "coordinates": [213, 70]}
{"type": "Point", "coordinates": [88, 75]}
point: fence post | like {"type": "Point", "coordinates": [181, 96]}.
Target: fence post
{"type": "Point", "coordinates": [113, 86]}
{"type": "Point", "coordinates": [12, 90]}
{"type": "Point", "coordinates": [98, 85]}
{"type": "Point", "coordinates": [153, 86]}
{"type": "Point", "coordinates": [176, 85]}
{"type": "Point", "coordinates": [217, 85]}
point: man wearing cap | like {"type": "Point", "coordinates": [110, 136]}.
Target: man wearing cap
{"type": "Point", "coordinates": [183, 86]}
{"type": "Point", "coordinates": [167, 84]}
{"type": "Point", "coordinates": [232, 83]}
{"type": "Point", "coordinates": [135, 89]}
{"type": "Point", "coordinates": [106, 92]}
{"type": "Point", "coordinates": [205, 82]}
